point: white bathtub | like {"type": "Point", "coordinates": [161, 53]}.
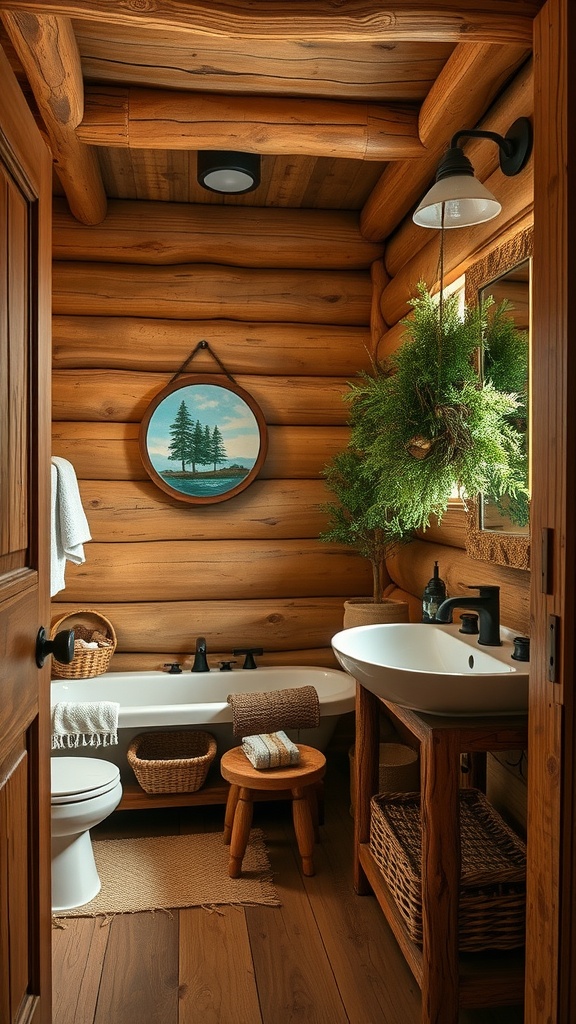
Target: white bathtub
{"type": "Point", "coordinates": [158, 700]}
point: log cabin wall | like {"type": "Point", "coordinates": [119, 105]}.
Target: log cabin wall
{"type": "Point", "coordinates": [291, 301]}
{"type": "Point", "coordinates": [284, 299]}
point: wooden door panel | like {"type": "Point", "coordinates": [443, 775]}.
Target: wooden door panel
{"type": "Point", "coordinates": [14, 870]}
{"type": "Point", "coordinates": [25, 178]}
{"type": "Point", "coordinates": [18, 359]}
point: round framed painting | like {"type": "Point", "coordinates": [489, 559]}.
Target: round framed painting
{"type": "Point", "coordinates": [203, 439]}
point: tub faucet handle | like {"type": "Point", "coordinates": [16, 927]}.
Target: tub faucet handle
{"type": "Point", "coordinates": [174, 669]}
{"type": "Point", "coordinates": [249, 653]}
{"type": "Point", "coordinates": [226, 666]}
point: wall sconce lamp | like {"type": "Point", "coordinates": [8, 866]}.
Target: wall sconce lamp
{"type": "Point", "coordinates": [227, 172]}
{"type": "Point", "coordinates": [458, 199]}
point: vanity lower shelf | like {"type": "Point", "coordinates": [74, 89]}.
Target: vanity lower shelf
{"type": "Point", "coordinates": [504, 970]}
{"type": "Point", "coordinates": [449, 980]}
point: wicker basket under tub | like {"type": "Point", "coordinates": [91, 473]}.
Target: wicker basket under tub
{"type": "Point", "coordinates": [87, 663]}
{"type": "Point", "coordinates": [492, 901]}
{"type": "Point", "coordinates": [172, 762]}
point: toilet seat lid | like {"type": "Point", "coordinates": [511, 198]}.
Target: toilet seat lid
{"type": "Point", "coordinates": [81, 778]}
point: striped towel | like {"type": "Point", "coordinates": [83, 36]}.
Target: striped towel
{"type": "Point", "coordinates": [270, 750]}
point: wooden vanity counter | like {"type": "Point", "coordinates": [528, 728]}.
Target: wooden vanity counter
{"type": "Point", "coordinates": [448, 980]}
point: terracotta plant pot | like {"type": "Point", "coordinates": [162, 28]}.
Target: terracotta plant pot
{"type": "Point", "coordinates": [362, 611]}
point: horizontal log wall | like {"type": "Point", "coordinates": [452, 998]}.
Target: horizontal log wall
{"type": "Point", "coordinates": [287, 310]}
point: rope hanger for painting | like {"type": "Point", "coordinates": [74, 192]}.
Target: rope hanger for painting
{"type": "Point", "coordinates": [202, 346]}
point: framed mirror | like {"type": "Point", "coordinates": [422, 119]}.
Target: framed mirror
{"type": "Point", "coordinates": [203, 439]}
{"type": "Point", "coordinates": [498, 529]}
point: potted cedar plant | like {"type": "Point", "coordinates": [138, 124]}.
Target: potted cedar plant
{"type": "Point", "coordinates": [425, 424]}
{"type": "Point", "coordinates": [359, 518]}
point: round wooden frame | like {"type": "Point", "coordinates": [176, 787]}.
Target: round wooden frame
{"type": "Point", "coordinates": [160, 477]}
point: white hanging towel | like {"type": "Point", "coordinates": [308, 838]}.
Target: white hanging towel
{"type": "Point", "coordinates": [84, 724]}
{"type": "Point", "coordinates": [69, 526]}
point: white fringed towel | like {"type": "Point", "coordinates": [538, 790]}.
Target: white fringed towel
{"type": "Point", "coordinates": [270, 750]}
{"type": "Point", "coordinates": [84, 724]}
{"type": "Point", "coordinates": [68, 524]}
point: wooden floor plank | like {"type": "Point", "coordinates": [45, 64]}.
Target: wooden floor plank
{"type": "Point", "coordinates": [217, 980]}
{"type": "Point", "coordinates": [140, 975]}
{"type": "Point", "coordinates": [78, 950]}
{"type": "Point", "coordinates": [374, 982]}
{"type": "Point", "coordinates": [325, 956]}
{"type": "Point", "coordinates": [293, 973]}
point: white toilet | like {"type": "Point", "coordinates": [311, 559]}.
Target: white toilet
{"type": "Point", "coordinates": [85, 790]}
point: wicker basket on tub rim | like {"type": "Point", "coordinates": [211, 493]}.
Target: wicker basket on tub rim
{"type": "Point", "coordinates": [87, 663]}
{"type": "Point", "coordinates": [492, 901]}
{"type": "Point", "coordinates": [172, 761]}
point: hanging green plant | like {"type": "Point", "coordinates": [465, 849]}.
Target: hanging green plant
{"type": "Point", "coordinates": [424, 423]}
{"type": "Point", "coordinates": [440, 425]}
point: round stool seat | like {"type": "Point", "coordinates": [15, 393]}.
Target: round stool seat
{"type": "Point", "coordinates": [73, 779]}
{"type": "Point", "coordinates": [237, 769]}
{"type": "Point", "coordinates": [300, 779]}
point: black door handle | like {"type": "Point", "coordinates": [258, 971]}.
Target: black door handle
{"type": "Point", "coordinates": [62, 646]}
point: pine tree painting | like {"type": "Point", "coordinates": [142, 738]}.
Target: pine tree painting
{"type": "Point", "coordinates": [202, 441]}
{"type": "Point", "coordinates": [181, 436]}
{"type": "Point", "coordinates": [217, 449]}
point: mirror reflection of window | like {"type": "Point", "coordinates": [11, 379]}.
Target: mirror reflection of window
{"type": "Point", "coordinates": [495, 533]}
{"type": "Point", "coordinates": [507, 364]}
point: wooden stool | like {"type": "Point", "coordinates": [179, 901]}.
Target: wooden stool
{"type": "Point", "coordinates": [244, 779]}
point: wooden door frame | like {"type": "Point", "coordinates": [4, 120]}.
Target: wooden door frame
{"type": "Point", "coordinates": [551, 897]}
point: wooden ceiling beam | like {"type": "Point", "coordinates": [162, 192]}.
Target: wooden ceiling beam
{"type": "Point", "coordinates": [164, 119]}
{"type": "Point", "coordinates": [350, 21]}
{"type": "Point", "coordinates": [470, 80]}
{"type": "Point", "coordinates": [46, 47]}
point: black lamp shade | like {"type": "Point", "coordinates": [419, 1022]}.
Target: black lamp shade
{"type": "Point", "coordinates": [227, 172]}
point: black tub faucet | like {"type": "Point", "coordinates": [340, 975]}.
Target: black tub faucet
{"type": "Point", "coordinates": [487, 604]}
{"type": "Point", "coordinates": [200, 660]}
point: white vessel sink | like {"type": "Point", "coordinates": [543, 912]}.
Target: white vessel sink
{"type": "Point", "coordinates": [435, 669]}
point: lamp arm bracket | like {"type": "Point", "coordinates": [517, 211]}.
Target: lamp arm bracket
{"type": "Point", "coordinates": [476, 133]}
{"type": "Point", "coordinates": [515, 147]}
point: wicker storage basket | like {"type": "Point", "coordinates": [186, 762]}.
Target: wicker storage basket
{"type": "Point", "coordinates": [492, 901]}
{"type": "Point", "coordinates": [398, 769]}
{"type": "Point", "coordinates": [172, 762]}
{"type": "Point", "coordinates": [86, 663]}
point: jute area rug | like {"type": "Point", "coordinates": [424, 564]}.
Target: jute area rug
{"type": "Point", "coordinates": [166, 872]}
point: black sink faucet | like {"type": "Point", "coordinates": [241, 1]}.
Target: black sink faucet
{"type": "Point", "coordinates": [200, 660]}
{"type": "Point", "coordinates": [487, 604]}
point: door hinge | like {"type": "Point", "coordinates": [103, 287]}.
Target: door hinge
{"type": "Point", "coordinates": [552, 647]}
{"type": "Point", "coordinates": [547, 580]}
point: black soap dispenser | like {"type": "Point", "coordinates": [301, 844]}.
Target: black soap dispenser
{"type": "Point", "coordinates": [434, 594]}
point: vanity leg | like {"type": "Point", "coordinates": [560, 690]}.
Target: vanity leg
{"type": "Point", "coordinates": [440, 763]}
{"type": "Point", "coordinates": [365, 780]}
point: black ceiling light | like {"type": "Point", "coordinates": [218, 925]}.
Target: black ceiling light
{"type": "Point", "coordinates": [458, 199]}
{"type": "Point", "coordinates": [227, 172]}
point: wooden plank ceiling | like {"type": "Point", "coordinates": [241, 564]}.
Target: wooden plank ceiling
{"type": "Point", "coordinates": [330, 94]}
